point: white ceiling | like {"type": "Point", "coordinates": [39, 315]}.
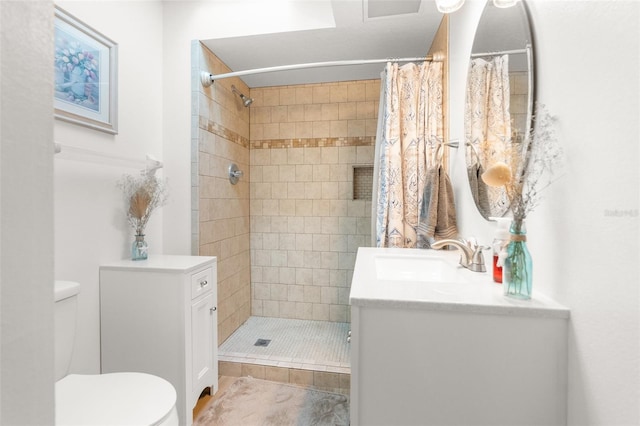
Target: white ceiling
{"type": "Point", "coordinates": [354, 35]}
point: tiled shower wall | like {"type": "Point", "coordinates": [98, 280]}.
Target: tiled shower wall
{"type": "Point", "coordinates": [220, 222]}
{"type": "Point", "coordinates": [305, 225]}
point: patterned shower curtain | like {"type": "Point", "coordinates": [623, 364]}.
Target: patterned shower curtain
{"type": "Point", "coordinates": [410, 129]}
{"type": "Point", "coordinates": [488, 121]}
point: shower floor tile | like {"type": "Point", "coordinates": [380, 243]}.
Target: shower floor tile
{"type": "Point", "coordinates": [302, 344]}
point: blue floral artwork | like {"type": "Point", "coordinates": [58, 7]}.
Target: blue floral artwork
{"type": "Point", "coordinates": [77, 71]}
{"type": "Point", "coordinates": [85, 74]}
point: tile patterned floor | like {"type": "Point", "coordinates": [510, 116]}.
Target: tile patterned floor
{"type": "Point", "coordinates": [298, 344]}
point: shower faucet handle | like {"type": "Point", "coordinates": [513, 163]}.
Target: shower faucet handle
{"type": "Point", "coordinates": [234, 173]}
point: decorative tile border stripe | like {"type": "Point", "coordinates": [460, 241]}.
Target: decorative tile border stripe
{"type": "Point", "coordinates": [219, 130]}
{"type": "Point", "coordinates": [314, 142]}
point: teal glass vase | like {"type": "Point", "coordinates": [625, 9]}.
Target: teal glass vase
{"type": "Point", "coordinates": [139, 248]}
{"type": "Point", "coordinates": [518, 266]}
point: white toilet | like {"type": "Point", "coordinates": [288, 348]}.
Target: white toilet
{"type": "Point", "coordinates": [103, 399]}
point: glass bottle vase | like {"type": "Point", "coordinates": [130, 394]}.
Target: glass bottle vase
{"type": "Point", "coordinates": [139, 248]}
{"type": "Point", "coordinates": [518, 266]}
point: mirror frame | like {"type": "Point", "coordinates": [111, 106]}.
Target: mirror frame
{"type": "Point", "coordinates": [525, 26]}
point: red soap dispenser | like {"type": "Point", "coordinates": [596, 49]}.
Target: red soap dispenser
{"type": "Point", "coordinates": [500, 243]}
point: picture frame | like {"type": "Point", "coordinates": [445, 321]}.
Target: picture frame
{"type": "Point", "coordinates": [85, 74]}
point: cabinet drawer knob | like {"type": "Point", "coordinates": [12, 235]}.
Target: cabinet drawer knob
{"type": "Point", "coordinates": [203, 283]}
{"type": "Point", "coordinates": [212, 310]}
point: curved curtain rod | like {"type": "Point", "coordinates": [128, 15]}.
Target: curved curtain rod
{"type": "Point", "coordinates": [207, 78]}
{"type": "Point", "coordinates": [503, 52]}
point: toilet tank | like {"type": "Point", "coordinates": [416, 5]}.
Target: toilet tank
{"type": "Point", "coordinates": [65, 317]}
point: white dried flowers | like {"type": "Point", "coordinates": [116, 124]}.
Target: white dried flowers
{"type": "Point", "coordinates": [533, 167]}
{"type": "Point", "coordinates": [143, 194]}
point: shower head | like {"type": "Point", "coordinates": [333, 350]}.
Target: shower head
{"type": "Point", "coordinates": [245, 100]}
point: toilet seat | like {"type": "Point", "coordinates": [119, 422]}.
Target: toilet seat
{"type": "Point", "coordinates": [114, 399]}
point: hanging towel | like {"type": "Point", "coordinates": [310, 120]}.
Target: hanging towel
{"type": "Point", "coordinates": [478, 188]}
{"type": "Point", "coordinates": [437, 211]}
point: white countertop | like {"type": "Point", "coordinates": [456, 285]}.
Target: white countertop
{"type": "Point", "coordinates": [474, 292]}
{"type": "Point", "coordinates": [161, 262]}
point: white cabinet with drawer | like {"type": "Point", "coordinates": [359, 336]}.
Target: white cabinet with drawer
{"type": "Point", "coordinates": [159, 316]}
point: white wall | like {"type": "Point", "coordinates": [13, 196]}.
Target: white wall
{"type": "Point", "coordinates": [26, 204]}
{"type": "Point", "coordinates": [90, 221]}
{"type": "Point", "coordinates": [462, 26]}
{"type": "Point", "coordinates": [587, 56]}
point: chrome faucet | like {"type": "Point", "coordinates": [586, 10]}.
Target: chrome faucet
{"type": "Point", "coordinates": [471, 256]}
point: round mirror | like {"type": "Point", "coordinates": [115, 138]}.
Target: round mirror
{"type": "Point", "coordinates": [499, 98]}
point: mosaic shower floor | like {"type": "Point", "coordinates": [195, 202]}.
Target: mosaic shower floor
{"type": "Point", "coordinates": [298, 344]}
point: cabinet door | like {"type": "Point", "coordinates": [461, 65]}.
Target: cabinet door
{"type": "Point", "coordinates": [203, 323]}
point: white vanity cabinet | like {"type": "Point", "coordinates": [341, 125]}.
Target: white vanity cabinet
{"type": "Point", "coordinates": [446, 353]}
{"type": "Point", "coordinates": [159, 316]}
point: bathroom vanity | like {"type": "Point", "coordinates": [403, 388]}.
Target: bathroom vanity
{"type": "Point", "coordinates": [159, 316]}
{"type": "Point", "coordinates": [433, 343]}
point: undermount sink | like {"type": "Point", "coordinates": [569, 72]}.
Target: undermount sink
{"type": "Point", "coordinates": [403, 278]}
{"type": "Point", "coordinates": [417, 268]}
{"type": "Point", "coordinates": [403, 275]}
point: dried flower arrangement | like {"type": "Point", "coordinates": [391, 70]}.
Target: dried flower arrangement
{"type": "Point", "coordinates": [533, 167]}
{"type": "Point", "coordinates": [144, 194]}
{"type": "Point", "coordinates": [532, 170]}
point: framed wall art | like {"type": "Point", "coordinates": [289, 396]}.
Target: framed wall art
{"type": "Point", "coordinates": [86, 65]}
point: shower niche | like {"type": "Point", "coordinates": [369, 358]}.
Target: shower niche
{"type": "Point", "coordinates": [362, 182]}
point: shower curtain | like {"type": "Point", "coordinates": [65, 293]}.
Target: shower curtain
{"type": "Point", "coordinates": [488, 127]}
{"type": "Point", "coordinates": [410, 129]}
